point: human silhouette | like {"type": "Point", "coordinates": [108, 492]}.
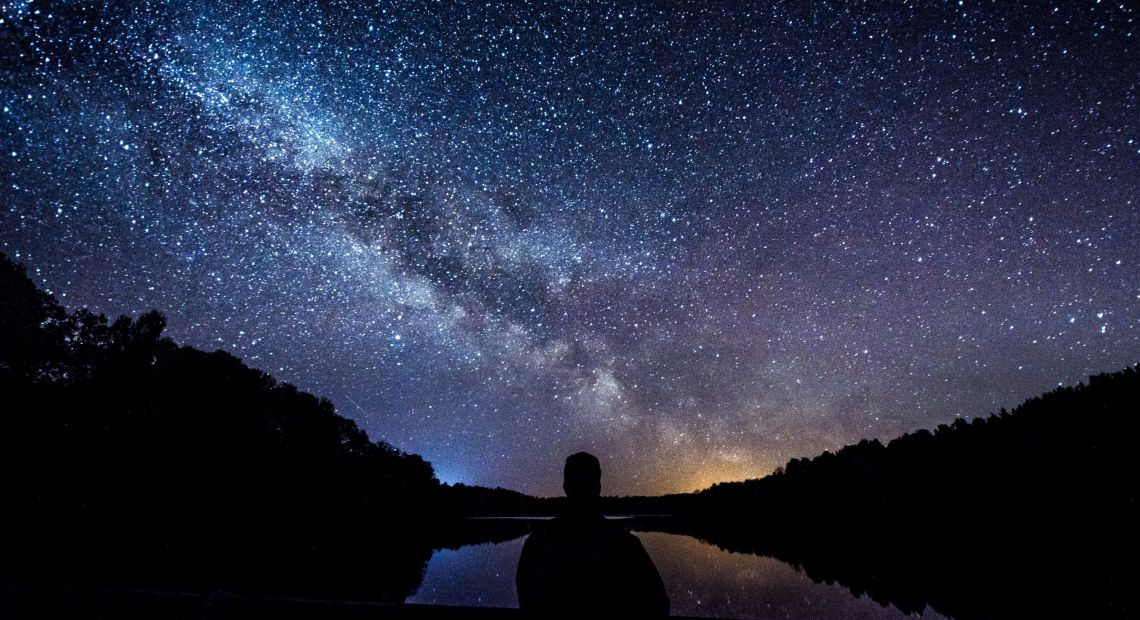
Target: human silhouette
{"type": "Point", "coordinates": [582, 565]}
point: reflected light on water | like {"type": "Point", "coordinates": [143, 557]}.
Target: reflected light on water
{"type": "Point", "coordinates": [701, 579]}
{"type": "Point", "coordinates": [478, 575]}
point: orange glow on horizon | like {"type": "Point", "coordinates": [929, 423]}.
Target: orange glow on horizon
{"type": "Point", "coordinates": [718, 470]}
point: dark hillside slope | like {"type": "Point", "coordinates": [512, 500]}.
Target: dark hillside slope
{"type": "Point", "coordinates": [129, 460]}
{"type": "Point", "coordinates": [1027, 512]}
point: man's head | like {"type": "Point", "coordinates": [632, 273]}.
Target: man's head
{"type": "Point", "coordinates": [582, 478]}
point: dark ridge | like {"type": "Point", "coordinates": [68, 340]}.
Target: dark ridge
{"type": "Point", "coordinates": [1025, 513]}
{"type": "Point", "coordinates": [131, 461]}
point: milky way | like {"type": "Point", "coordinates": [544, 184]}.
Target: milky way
{"type": "Point", "coordinates": [696, 240]}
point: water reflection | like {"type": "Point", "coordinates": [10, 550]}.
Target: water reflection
{"type": "Point", "coordinates": [705, 581]}
{"type": "Point", "coordinates": [702, 580]}
{"type": "Point", "coordinates": [480, 575]}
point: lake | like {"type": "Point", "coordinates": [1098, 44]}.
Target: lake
{"type": "Point", "coordinates": [702, 580]}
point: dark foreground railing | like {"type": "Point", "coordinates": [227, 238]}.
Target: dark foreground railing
{"type": "Point", "coordinates": [80, 603]}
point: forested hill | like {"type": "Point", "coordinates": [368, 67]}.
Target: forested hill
{"type": "Point", "coordinates": [130, 459]}
{"type": "Point", "coordinates": [1023, 512]}
{"type": "Point", "coordinates": [1070, 437]}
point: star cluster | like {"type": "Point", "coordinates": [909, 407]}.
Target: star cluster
{"type": "Point", "coordinates": [697, 239]}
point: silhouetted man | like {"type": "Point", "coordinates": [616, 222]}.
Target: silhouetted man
{"type": "Point", "coordinates": [581, 565]}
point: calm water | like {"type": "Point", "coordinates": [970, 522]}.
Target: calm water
{"type": "Point", "coordinates": [702, 580]}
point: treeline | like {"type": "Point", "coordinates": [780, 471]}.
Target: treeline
{"type": "Point", "coordinates": [129, 460]}
{"type": "Point", "coordinates": [474, 501]}
{"type": "Point", "coordinates": [1025, 513]}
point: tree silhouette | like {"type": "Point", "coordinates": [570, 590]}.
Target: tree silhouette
{"type": "Point", "coordinates": [131, 460]}
{"type": "Point", "coordinates": [1024, 513]}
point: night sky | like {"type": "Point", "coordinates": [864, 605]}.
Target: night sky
{"type": "Point", "coordinates": [695, 240]}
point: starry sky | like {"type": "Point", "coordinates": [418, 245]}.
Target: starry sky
{"type": "Point", "coordinates": [697, 239]}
